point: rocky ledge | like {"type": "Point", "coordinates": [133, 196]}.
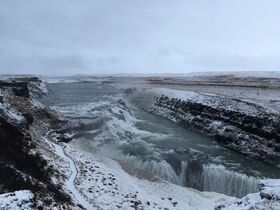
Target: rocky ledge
{"type": "Point", "coordinates": [238, 125]}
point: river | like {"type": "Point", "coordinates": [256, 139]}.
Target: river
{"type": "Point", "coordinates": [105, 120]}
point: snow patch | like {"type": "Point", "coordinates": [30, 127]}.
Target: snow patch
{"type": "Point", "coordinates": [11, 113]}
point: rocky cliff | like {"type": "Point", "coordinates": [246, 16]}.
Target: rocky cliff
{"type": "Point", "coordinates": [22, 165]}
{"type": "Point", "coordinates": [238, 125]}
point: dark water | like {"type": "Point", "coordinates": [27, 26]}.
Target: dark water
{"type": "Point", "coordinates": [107, 121]}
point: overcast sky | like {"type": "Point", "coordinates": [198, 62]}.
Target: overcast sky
{"type": "Point", "coordinates": [144, 36]}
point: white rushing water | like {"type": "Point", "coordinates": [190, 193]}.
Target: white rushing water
{"type": "Point", "coordinates": [214, 177]}
{"type": "Point", "coordinates": [217, 178]}
{"type": "Point", "coordinates": [159, 168]}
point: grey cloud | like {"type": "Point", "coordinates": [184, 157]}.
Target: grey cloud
{"type": "Point", "coordinates": [48, 64]}
{"type": "Point", "coordinates": [97, 36]}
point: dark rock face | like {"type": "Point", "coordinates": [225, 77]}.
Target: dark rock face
{"type": "Point", "coordinates": [19, 88]}
{"type": "Point", "coordinates": [22, 91]}
{"type": "Point", "coordinates": [63, 138]}
{"type": "Point", "coordinates": [24, 87]}
{"type": "Point", "coordinates": [28, 79]}
{"type": "Point", "coordinates": [193, 174]}
{"type": "Point", "coordinates": [21, 166]}
{"type": "Point", "coordinates": [20, 169]}
{"type": "Point", "coordinates": [29, 118]}
{"type": "Point", "coordinates": [256, 135]}
{"type": "Point", "coordinates": [193, 165]}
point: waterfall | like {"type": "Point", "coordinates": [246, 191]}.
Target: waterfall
{"type": "Point", "coordinates": [211, 178]}
{"type": "Point", "coordinates": [217, 178]}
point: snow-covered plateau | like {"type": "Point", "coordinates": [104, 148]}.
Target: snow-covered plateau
{"type": "Point", "coordinates": [41, 168]}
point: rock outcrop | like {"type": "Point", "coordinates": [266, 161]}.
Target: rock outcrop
{"type": "Point", "coordinates": [18, 88]}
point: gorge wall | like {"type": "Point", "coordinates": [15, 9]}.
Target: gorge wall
{"type": "Point", "coordinates": [238, 125]}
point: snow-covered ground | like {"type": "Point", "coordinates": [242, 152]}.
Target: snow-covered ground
{"type": "Point", "coordinates": [107, 185]}
{"type": "Point", "coordinates": [69, 184]}
{"type": "Point", "coordinates": [210, 100]}
{"type": "Point", "coordinates": [18, 200]}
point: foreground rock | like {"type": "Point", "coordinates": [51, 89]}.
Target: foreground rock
{"type": "Point", "coordinates": [267, 199]}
